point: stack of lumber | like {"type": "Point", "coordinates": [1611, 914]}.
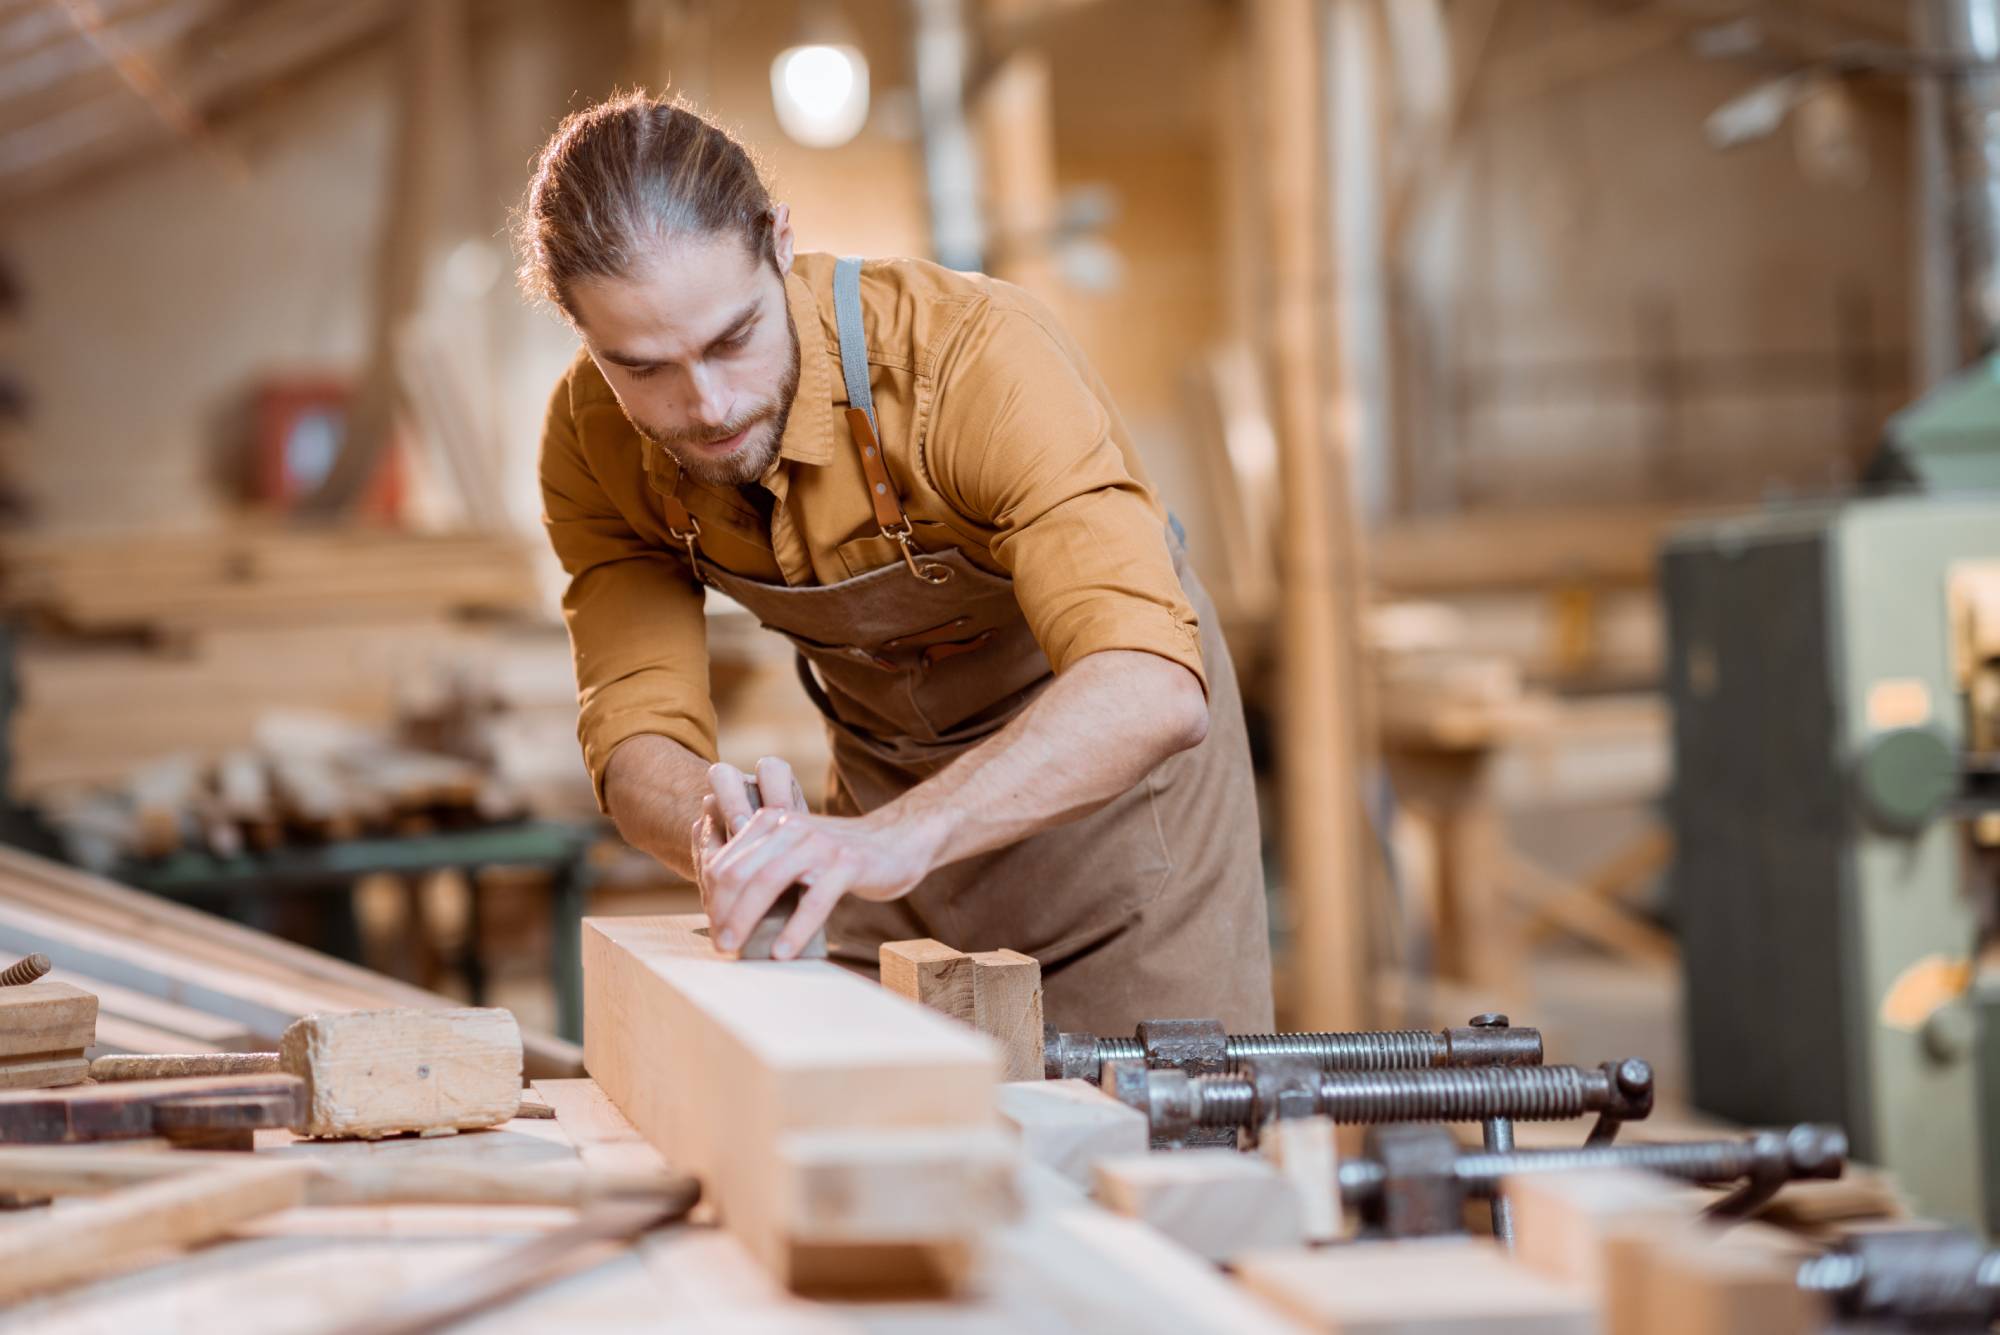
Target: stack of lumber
{"type": "Point", "coordinates": [171, 584]}
{"type": "Point", "coordinates": [144, 649]}
{"type": "Point", "coordinates": [352, 783]}
{"type": "Point", "coordinates": [170, 979]}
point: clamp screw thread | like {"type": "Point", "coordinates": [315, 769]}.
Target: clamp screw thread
{"type": "Point", "coordinates": [25, 971]}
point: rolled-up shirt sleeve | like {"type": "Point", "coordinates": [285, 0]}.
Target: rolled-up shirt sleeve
{"type": "Point", "coordinates": [634, 613]}
{"type": "Point", "coordinates": [1021, 443]}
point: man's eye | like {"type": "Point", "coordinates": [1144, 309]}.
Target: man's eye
{"type": "Point", "coordinates": [641, 372]}
{"type": "Point", "coordinates": [735, 344]}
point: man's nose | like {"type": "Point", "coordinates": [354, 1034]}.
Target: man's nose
{"type": "Point", "coordinates": [711, 399]}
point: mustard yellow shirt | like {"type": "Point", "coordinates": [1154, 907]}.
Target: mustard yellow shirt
{"type": "Point", "coordinates": [1000, 437]}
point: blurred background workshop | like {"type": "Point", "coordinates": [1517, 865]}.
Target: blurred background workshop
{"type": "Point", "coordinates": [1583, 414]}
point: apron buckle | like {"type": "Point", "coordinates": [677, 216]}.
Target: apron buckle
{"type": "Point", "coordinates": [688, 537]}
{"type": "Point", "coordinates": [930, 572]}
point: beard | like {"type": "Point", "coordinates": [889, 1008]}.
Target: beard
{"type": "Point", "coordinates": [765, 423]}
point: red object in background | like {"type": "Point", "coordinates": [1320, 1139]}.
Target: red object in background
{"type": "Point", "coordinates": [297, 426]}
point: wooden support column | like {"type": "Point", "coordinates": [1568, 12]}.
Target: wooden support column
{"type": "Point", "coordinates": [1016, 121]}
{"type": "Point", "coordinates": [1317, 721]}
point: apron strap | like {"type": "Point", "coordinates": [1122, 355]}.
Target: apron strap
{"type": "Point", "coordinates": [890, 517]}
{"type": "Point", "coordinates": [681, 526]}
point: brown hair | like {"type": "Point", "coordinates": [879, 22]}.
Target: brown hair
{"type": "Point", "coordinates": [628, 173]}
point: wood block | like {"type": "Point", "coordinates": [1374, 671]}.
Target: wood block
{"type": "Point", "coordinates": [1566, 1224]}
{"type": "Point", "coordinates": [43, 1073]}
{"type": "Point", "coordinates": [918, 1188]}
{"type": "Point", "coordinates": [1304, 1152]}
{"type": "Point", "coordinates": [1427, 1286]}
{"type": "Point", "coordinates": [1068, 1125]}
{"type": "Point", "coordinates": [1007, 1007]}
{"type": "Point", "coordinates": [379, 1073]}
{"type": "Point", "coordinates": [998, 992]}
{"type": "Point", "coordinates": [931, 974]}
{"type": "Point", "coordinates": [1216, 1203]}
{"type": "Point", "coordinates": [718, 1062]}
{"type": "Point", "coordinates": [45, 1019]}
{"type": "Point", "coordinates": [1700, 1280]}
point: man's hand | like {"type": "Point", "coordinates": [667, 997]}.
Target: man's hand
{"type": "Point", "coordinates": [766, 850]}
{"type": "Point", "coordinates": [1094, 733]}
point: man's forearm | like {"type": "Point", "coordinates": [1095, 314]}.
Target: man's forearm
{"type": "Point", "coordinates": [1096, 731]}
{"type": "Point", "coordinates": [654, 787]}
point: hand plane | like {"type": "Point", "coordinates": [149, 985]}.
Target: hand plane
{"type": "Point", "coordinates": [765, 934]}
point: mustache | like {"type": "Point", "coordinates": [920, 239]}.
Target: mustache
{"type": "Point", "coordinates": [714, 435]}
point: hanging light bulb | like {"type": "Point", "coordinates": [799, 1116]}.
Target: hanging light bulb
{"type": "Point", "coordinates": [819, 85]}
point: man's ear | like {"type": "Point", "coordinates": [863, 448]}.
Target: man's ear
{"type": "Point", "coordinates": [782, 240]}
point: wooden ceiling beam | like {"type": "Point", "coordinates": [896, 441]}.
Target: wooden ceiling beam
{"type": "Point", "coordinates": [275, 41]}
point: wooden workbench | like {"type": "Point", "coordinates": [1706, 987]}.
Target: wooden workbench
{"type": "Point", "coordinates": [308, 1269]}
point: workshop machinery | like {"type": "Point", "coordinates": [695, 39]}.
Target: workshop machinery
{"type": "Point", "coordinates": [1835, 677]}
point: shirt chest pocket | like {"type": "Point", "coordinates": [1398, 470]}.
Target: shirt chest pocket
{"type": "Point", "coordinates": [872, 551]}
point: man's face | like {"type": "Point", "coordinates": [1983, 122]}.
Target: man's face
{"type": "Point", "coordinates": [698, 345]}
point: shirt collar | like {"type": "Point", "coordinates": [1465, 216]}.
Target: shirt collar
{"type": "Point", "coordinates": [809, 434]}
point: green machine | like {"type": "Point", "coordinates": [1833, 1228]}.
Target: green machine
{"type": "Point", "coordinates": [1835, 678]}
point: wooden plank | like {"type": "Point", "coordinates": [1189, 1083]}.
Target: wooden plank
{"type": "Point", "coordinates": [1305, 1152]}
{"type": "Point", "coordinates": [126, 1066]}
{"type": "Point", "coordinates": [604, 1137]}
{"type": "Point", "coordinates": [1216, 1203]}
{"type": "Point", "coordinates": [1007, 1007]}
{"type": "Point", "coordinates": [117, 1035]}
{"type": "Point", "coordinates": [432, 1179]}
{"type": "Point", "coordinates": [931, 974]}
{"type": "Point", "coordinates": [377, 1073]}
{"type": "Point", "coordinates": [1568, 1226]}
{"type": "Point", "coordinates": [164, 936]}
{"type": "Point", "coordinates": [43, 1072]}
{"type": "Point", "coordinates": [1441, 1286]}
{"type": "Point", "coordinates": [46, 1018]}
{"type": "Point", "coordinates": [1100, 1272]}
{"type": "Point", "coordinates": [120, 1111]}
{"type": "Point", "coordinates": [104, 1234]}
{"type": "Point", "coordinates": [126, 1018]}
{"type": "Point", "coordinates": [1068, 1125]}
{"type": "Point", "coordinates": [1700, 1280]}
{"type": "Point", "coordinates": [716, 1061]}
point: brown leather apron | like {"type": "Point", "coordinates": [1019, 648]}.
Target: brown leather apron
{"type": "Point", "coordinates": [1151, 907]}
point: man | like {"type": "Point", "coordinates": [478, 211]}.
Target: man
{"type": "Point", "coordinates": [914, 476]}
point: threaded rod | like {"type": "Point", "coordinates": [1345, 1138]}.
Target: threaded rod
{"type": "Point", "coordinates": [1805, 1152]}
{"type": "Point", "coordinates": [1471, 1094]}
{"type": "Point", "coordinates": [25, 971]}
